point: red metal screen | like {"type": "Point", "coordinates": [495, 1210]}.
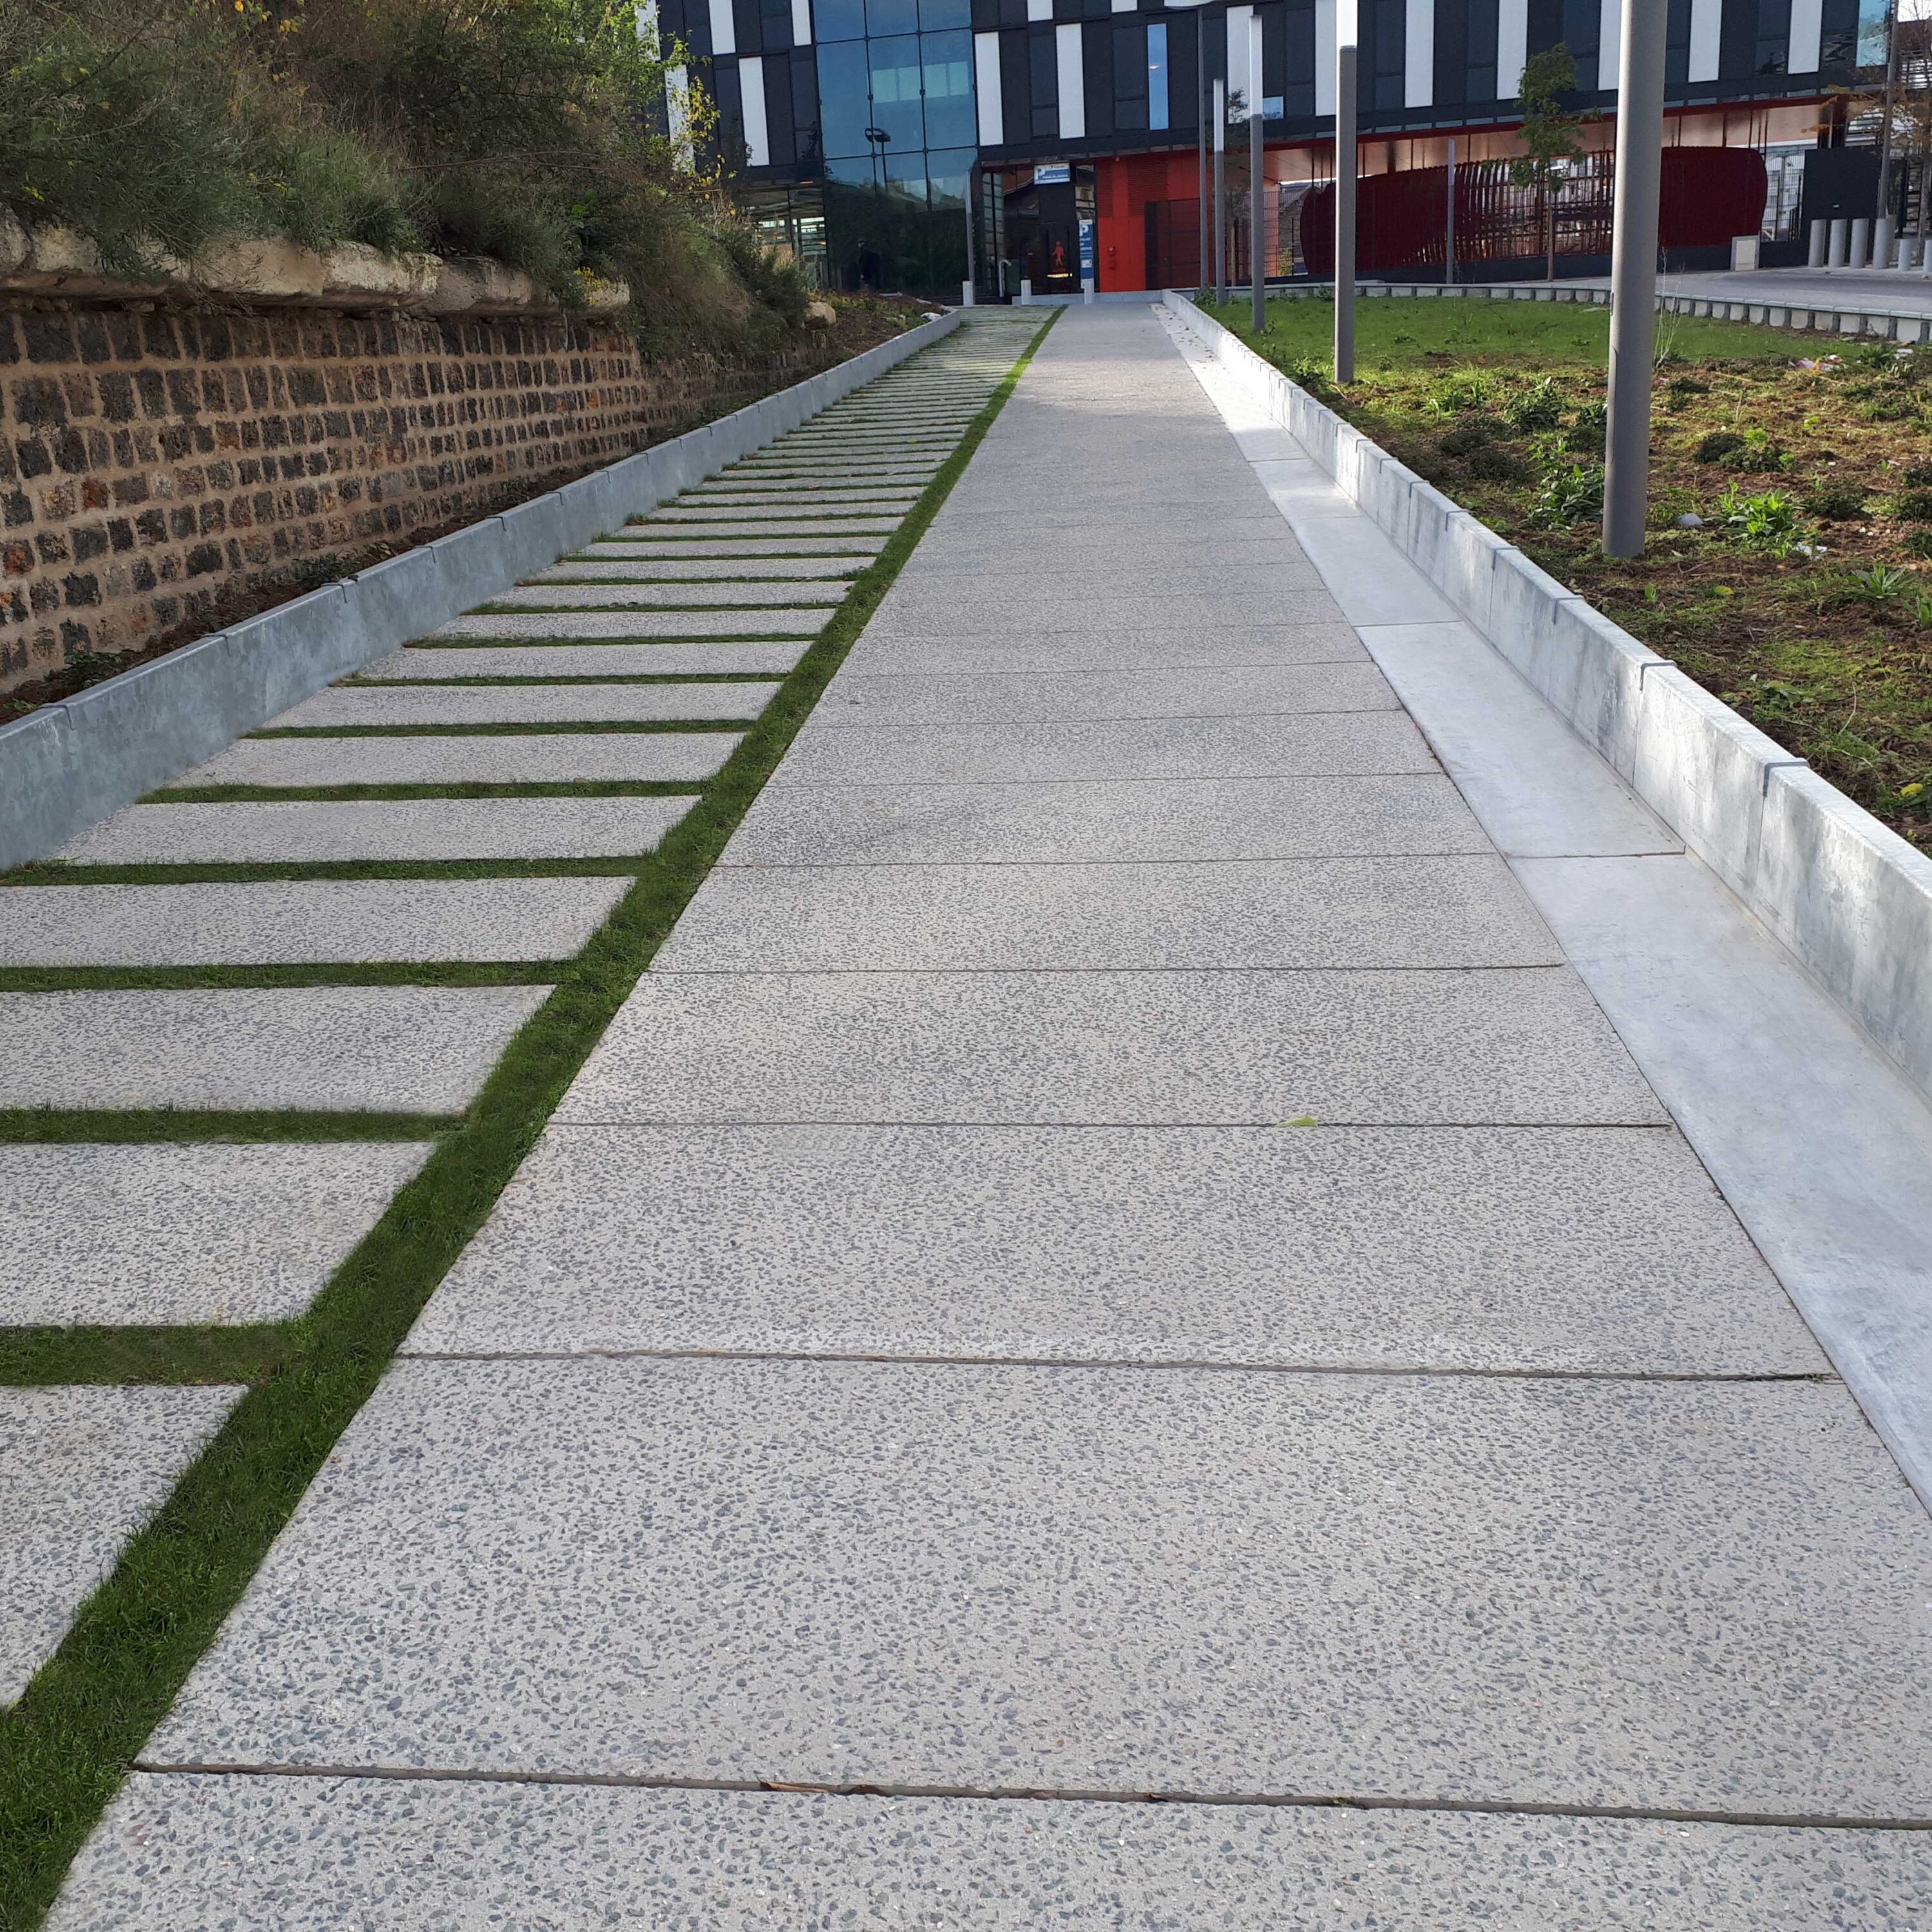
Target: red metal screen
{"type": "Point", "coordinates": [1709, 195]}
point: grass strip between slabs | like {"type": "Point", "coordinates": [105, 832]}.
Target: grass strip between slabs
{"type": "Point", "coordinates": [65, 1747]}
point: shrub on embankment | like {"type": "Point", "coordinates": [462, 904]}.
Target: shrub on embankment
{"type": "Point", "coordinates": [529, 130]}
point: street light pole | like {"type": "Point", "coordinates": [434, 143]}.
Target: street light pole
{"type": "Point", "coordinates": [1633, 275]}
{"type": "Point", "coordinates": [1449, 223]}
{"type": "Point", "coordinates": [1256, 107]}
{"type": "Point", "coordinates": [971, 291]}
{"type": "Point", "coordinates": [1201, 116]}
{"type": "Point", "coordinates": [1345, 191]}
{"type": "Point", "coordinates": [1220, 193]}
{"type": "Point", "coordinates": [1257, 282]}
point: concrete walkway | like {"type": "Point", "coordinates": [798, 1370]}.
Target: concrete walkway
{"type": "Point", "coordinates": [1111, 1258]}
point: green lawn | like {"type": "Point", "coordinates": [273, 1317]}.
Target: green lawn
{"type": "Point", "coordinates": [1408, 332]}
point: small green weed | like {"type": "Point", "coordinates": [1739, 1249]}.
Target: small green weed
{"type": "Point", "coordinates": [1836, 502]}
{"type": "Point", "coordinates": [1465, 389]}
{"type": "Point", "coordinates": [1539, 406]}
{"type": "Point", "coordinates": [1767, 523]}
{"type": "Point", "coordinates": [1568, 493]}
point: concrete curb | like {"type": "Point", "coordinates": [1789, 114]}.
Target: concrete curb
{"type": "Point", "coordinates": [1850, 899]}
{"type": "Point", "coordinates": [1844, 318]}
{"type": "Point", "coordinates": [67, 765]}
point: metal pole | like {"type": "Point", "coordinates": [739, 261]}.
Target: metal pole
{"type": "Point", "coordinates": [1881, 254]}
{"type": "Point", "coordinates": [1449, 225]}
{"type": "Point", "coordinates": [1201, 115]}
{"type": "Point", "coordinates": [1633, 274]}
{"type": "Point", "coordinates": [1257, 280]}
{"type": "Point", "coordinates": [971, 291]}
{"type": "Point", "coordinates": [1220, 193]}
{"type": "Point", "coordinates": [1345, 191]}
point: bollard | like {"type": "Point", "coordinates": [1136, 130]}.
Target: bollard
{"type": "Point", "coordinates": [1881, 250]}
{"type": "Point", "coordinates": [1841, 230]}
{"type": "Point", "coordinates": [1814, 257]}
{"type": "Point", "coordinates": [1860, 252]}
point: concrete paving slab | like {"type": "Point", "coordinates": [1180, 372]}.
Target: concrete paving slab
{"type": "Point", "coordinates": [795, 496]}
{"type": "Point", "coordinates": [1074, 582]}
{"type": "Point", "coordinates": [564, 757]}
{"type": "Point", "coordinates": [350, 705]}
{"type": "Point", "coordinates": [1333, 1248]}
{"type": "Point", "coordinates": [1101, 821]}
{"type": "Point", "coordinates": [885, 649]}
{"type": "Point", "coordinates": [772, 658]}
{"type": "Point", "coordinates": [1295, 913]}
{"type": "Point", "coordinates": [291, 921]}
{"type": "Point", "coordinates": [855, 698]}
{"type": "Point", "coordinates": [1493, 731]}
{"type": "Point", "coordinates": [1235, 1049]}
{"type": "Point", "coordinates": [180, 1853]}
{"type": "Point", "coordinates": [722, 595]}
{"type": "Point", "coordinates": [81, 1470]}
{"type": "Point", "coordinates": [1372, 580]}
{"type": "Point", "coordinates": [309, 831]}
{"type": "Point", "coordinates": [968, 617]}
{"type": "Point", "coordinates": [833, 469]}
{"type": "Point", "coordinates": [1335, 745]}
{"type": "Point", "coordinates": [698, 571]}
{"type": "Point", "coordinates": [585, 626]}
{"type": "Point", "coordinates": [170, 1234]}
{"type": "Point", "coordinates": [324, 1049]}
{"type": "Point", "coordinates": [735, 523]}
{"type": "Point", "coordinates": [715, 546]}
{"type": "Point", "coordinates": [1178, 1581]}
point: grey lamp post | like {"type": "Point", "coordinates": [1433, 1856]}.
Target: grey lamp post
{"type": "Point", "coordinates": [1201, 115]}
{"type": "Point", "coordinates": [1258, 281]}
{"type": "Point", "coordinates": [1220, 193]}
{"type": "Point", "coordinates": [1345, 191]}
{"type": "Point", "coordinates": [1633, 275]}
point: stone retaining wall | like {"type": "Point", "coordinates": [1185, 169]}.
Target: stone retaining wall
{"type": "Point", "coordinates": [162, 470]}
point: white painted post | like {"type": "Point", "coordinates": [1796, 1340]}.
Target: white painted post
{"type": "Point", "coordinates": [1345, 35]}
{"type": "Point", "coordinates": [1633, 275]}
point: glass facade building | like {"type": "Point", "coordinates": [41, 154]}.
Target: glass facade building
{"type": "Point", "coordinates": [852, 129]}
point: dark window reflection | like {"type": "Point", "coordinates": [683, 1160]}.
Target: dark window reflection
{"type": "Point", "coordinates": [895, 92]}
{"type": "Point", "coordinates": [844, 111]}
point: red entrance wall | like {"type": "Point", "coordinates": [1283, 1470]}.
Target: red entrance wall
{"type": "Point", "coordinates": [1122, 186]}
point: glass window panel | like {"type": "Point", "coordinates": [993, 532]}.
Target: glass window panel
{"type": "Point", "coordinates": [950, 119]}
{"type": "Point", "coordinates": [906, 175]}
{"type": "Point", "coordinates": [839, 19]}
{"type": "Point", "coordinates": [858, 172]}
{"type": "Point", "coordinates": [946, 175]}
{"type": "Point", "coordinates": [1157, 75]}
{"type": "Point", "coordinates": [895, 92]}
{"type": "Point", "coordinates": [891, 16]}
{"type": "Point", "coordinates": [844, 111]}
{"type": "Point", "coordinates": [936, 13]}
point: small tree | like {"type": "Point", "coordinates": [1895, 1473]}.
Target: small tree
{"type": "Point", "coordinates": [1549, 132]}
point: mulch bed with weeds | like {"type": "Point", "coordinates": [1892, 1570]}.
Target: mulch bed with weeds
{"type": "Point", "coordinates": [1788, 564]}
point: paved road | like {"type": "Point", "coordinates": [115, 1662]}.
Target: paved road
{"type": "Point", "coordinates": [1112, 1257]}
{"type": "Point", "coordinates": [1890, 293]}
